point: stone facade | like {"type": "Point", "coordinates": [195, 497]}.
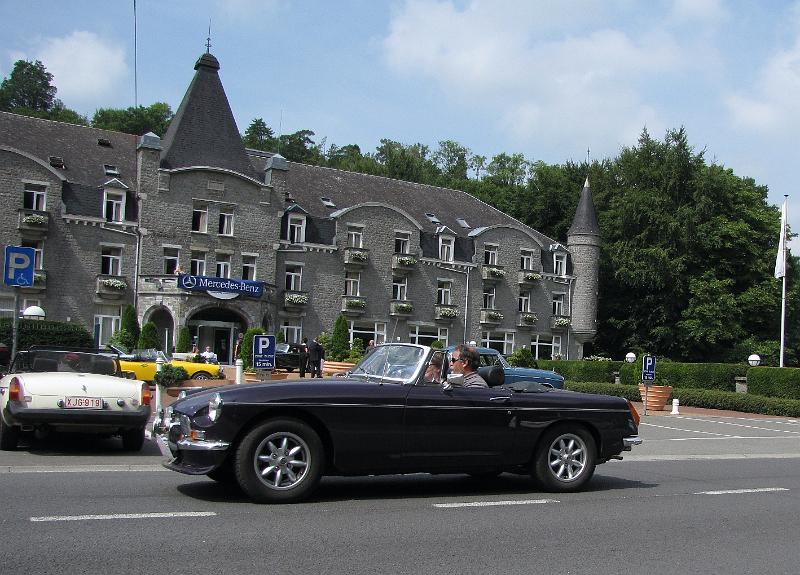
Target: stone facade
{"type": "Point", "coordinates": [324, 242]}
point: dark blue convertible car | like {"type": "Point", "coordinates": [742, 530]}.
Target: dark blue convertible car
{"type": "Point", "coordinates": [276, 440]}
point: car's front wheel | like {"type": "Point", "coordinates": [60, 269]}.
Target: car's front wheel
{"type": "Point", "coordinates": [132, 439]}
{"type": "Point", "coordinates": [201, 375]}
{"type": "Point", "coordinates": [566, 459]}
{"type": "Point", "coordinates": [280, 461]}
{"type": "Point", "coordinates": [9, 436]}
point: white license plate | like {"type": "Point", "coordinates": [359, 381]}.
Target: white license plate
{"type": "Point", "coordinates": [83, 403]}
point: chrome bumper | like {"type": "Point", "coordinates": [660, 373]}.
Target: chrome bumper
{"type": "Point", "coordinates": [629, 442]}
{"type": "Point", "coordinates": [163, 424]}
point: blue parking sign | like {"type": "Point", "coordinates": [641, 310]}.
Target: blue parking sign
{"type": "Point", "coordinates": [19, 264]}
{"type": "Point", "coordinates": [648, 368]}
{"type": "Point", "coordinates": [264, 352]}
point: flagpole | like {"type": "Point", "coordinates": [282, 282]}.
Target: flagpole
{"type": "Point", "coordinates": [783, 294]}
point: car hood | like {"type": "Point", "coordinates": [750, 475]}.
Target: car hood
{"type": "Point", "coordinates": [82, 384]}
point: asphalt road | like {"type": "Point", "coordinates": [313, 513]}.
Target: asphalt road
{"type": "Point", "coordinates": [704, 494]}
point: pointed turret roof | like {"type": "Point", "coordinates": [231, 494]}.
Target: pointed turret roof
{"type": "Point", "coordinates": [203, 131]}
{"type": "Point", "coordinates": [585, 220]}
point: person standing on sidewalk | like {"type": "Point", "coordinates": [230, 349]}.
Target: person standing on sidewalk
{"type": "Point", "coordinates": [315, 354]}
{"type": "Point", "coordinates": [302, 353]}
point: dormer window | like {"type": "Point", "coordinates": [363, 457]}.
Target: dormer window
{"type": "Point", "coordinates": [446, 245]}
{"type": "Point", "coordinates": [560, 264]}
{"type": "Point", "coordinates": [111, 170]}
{"type": "Point", "coordinates": [433, 219]}
{"type": "Point", "coordinates": [463, 223]}
{"type": "Point", "coordinates": [114, 206]}
{"type": "Point", "coordinates": [327, 202]}
{"type": "Point", "coordinates": [296, 229]}
{"type": "Point", "coordinates": [57, 162]}
{"type": "Point", "coordinates": [355, 237]}
{"type": "Point", "coordinates": [490, 252]}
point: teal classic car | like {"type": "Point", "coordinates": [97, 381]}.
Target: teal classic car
{"type": "Point", "coordinates": [513, 374]}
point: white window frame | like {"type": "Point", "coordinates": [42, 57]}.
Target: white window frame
{"type": "Point", "coordinates": [355, 237]}
{"type": "Point", "coordinates": [400, 288]}
{"type": "Point", "coordinates": [444, 292]}
{"type": "Point", "coordinates": [114, 260]}
{"type": "Point", "coordinates": [525, 301]}
{"type": "Point", "coordinates": [526, 259]}
{"type": "Point", "coordinates": [504, 338]}
{"type": "Point", "coordinates": [557, 346]}
{"type": "Point", "coordinates": [99, 319]}
{"type": "Point", "coordinates": [489, 297]}
{"type": "Point", "coordinates": [115, 202]}
{"type": "Point", "coordinates": [225, 224]}
{"type": "Point", "coordinates": [197, 265]}
{"type": "Point", "coordinates": [38, 195]}
{"type": "Point", "coordinates": [560, 264]}
{"type": "Point", "coordinates": [402, 242]}
{"type": "Point", "coordinates": [223, 265]}
{"type": "Point", "coordinates": [202, 222]}
{"type": "Point", "coordinates": [491, 254]}
{"type": "Point", "coordinates": [296, 229]}
{"type": "Point", "coordinates": [447, 246]}
{"type": "Point", "coordinates": [444, 336]}
{"type": "Point", "coordinates": [174, 257]}
{"type": "Point", "coordinates": [249, 266]}
{"type": "Point", "coordinates": [38, 252]}
{"type": "Point", "coordinates": [559, 303]}
{"type": "Point", "coordinates": [293, 277]}
{"type": "Point", "coordinates": [292, 332]}
{"type": "Point", "coordinates": [423, 335]}
{"type": "Point", "coordinates": [352, 284]}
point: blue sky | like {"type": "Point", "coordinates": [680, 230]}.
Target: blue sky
{"type": "Point", "coordinates": [546, 79]}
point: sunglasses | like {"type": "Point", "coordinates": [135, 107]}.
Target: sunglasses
{"type": "Point", "coordinates": [461, 359]}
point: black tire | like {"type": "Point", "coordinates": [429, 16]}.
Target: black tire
{"type": "Point", "coordinates": [565, 459]}
{"type": "Point", "coordinates": [133, 439]}
{"type": "Point", "coordinates": [201, 375]}
{"type": "Point", "coordinates": [292, 478]}
{"type": "Point", "coordinates": [223, 474]}
{"type": "Point", "coordinates": [9, 436]}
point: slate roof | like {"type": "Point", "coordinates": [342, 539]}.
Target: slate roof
{"type": "Point", "coordinates": [585, 220]}
{"type": "Point", "coordinates": [203, 131]}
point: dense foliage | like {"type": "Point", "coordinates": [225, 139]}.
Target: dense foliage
{"type": "Point", "coordinates": [184, 341]}
{"type": "Point", "coordinates": [246, 349]}
{"type": "Point", "coordinates": [129, 323]}
{"type": "Point", "coordinates": [697, 375]}
{"type": "Point", "coordinates": [148, 338]}
{"type": "Point", "coordinates": [774, 382]}
{"type": "Point", "coordinates": [28, 90]}
{"type": "Point", "coordinates": [170, 375]}
{"type": "Point", "coordinates": [340, 341]}
{"type": "Point", "coordinates": [45, 332]}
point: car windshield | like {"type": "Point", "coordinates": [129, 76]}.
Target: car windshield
{"type": "Point", "coordinates": [67, 361]}
{"type": "Point", "coordinates": [489, 359]}
{"type": "Point", "coordinates": [397, 363]}
{"type": "Point", "coordinates": [149, 355]}
{"type": "Point", "coordinates": [282, 348]}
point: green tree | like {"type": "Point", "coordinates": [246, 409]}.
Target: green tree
{"type": "Point", "coordinates": [139, 120]}
{"type": "Point", "coordinates": [184, 342]}
{"type": "Point", "coordinates": [259, 136]}
{"type": "Point", "coordinates": [148, 339]}
{"type": "Point", "coordinates": [246, 352]}
{"type": "Point", "coordinates": [129, 322]}
{"type": "Point", "coordinates": [340, 340]}
{"type": "Point", "coordinates": [28, 87]}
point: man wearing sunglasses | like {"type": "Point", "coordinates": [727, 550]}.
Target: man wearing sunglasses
{"type": "Point", "coordinates": [466, 360]}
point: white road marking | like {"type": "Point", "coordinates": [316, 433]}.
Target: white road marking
{"type": "Point", "coordinates": [494, 503]}
{"type": "Point", "coordinates": [80, 468]}
{"type": "Point", "coordinates": [634, 458]}
{"type": "Point", "coordinates": [738, 491]}
{"type": "Point", "coordinates": [124, 516]}
{"type": "Point", "coordinates": [792, 431]}
{"type": "Point", "coordinates": [726, 437]}
{"type": "Point", "coordinates": [681, 429]}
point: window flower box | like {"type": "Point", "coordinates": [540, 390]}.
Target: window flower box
{"type": "Point", "coordinates": [527, 319]}
{"type": "Point", "coordinates": [528, 277]}
{"type": "Point", "coordinates": [295, 299]}
{"type": "Point", "coordinates": [560, 322]}
{"type": "Point", "coordinates": [111, 287]}
{"type": "Point", "coordinates": [353, 305]}
{"type": "Point", "coordinates": [401, 308]}
{"type": "Point", "coordinates": [34, 220]}
{"type": "Point", "coordinates": [33, 223]}
{"type": "Point", "coordinates": [356, 257]}
{"type": "Point", "coordinates": [114, 283]}
{"type": "Point", "coordinates": [492, 273]}
{"type": "Point", "coordinates": [491, 316]}
{"type": "Point", "coordinates": [445, 312]}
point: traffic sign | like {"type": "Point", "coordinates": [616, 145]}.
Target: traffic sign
{"type": "Point", "coordinates": [264, 351]}
{"type": "Point", "coordinates": [648, 368]}
{"type": "Point", "coordinates": [19, 264]}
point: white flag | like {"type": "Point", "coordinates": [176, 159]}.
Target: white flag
{"type": "Point", "coordinates": [780, 260]}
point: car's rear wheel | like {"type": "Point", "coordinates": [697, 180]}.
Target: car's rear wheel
{"type": "Point", "coordinates": [132, 439]}
{"type": "Point", "coordinates": [566, 459]}
{"type": "Point", "coordinates": [201, 375]}
{"type": "Point", "coordinates": [9, 436]}
{"type": "Point", "coordinates": [280, 461]}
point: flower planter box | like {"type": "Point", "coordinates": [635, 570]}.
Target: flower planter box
{"type": "Point", "coordinates": [657, 396]}
{"type": "Point", "coordinates": [492, 273]}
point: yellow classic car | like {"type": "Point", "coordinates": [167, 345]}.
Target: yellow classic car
{"type": "Point", "coordinates": [142, 362]}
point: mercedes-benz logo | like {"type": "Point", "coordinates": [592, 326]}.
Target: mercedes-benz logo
{"type": "Point", "coordinates": [188, 282]}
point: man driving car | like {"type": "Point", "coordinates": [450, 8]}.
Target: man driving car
{"type": "Point", "coordinates": [466, 360]}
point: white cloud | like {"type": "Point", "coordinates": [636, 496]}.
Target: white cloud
{"type": "Point", "coordinates": [87, 69]}
{"type": "Point", "coordinates": [706, 11]}
{"type": "Point", "coordinates": [523, 64]}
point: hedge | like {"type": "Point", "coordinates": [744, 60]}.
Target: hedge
{"type": "Point", "coordinates": [719, 376]}
{"type": "Point", "coordinates": [45, 332]}
{"type": "Point", "coordinates": [781, 382]}
{"type": "Point", "coordinates": [706, 398]}
{"type": "Point", "coordinates": [583, 370]}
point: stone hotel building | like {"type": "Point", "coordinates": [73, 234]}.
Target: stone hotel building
{"type": "Point", "coordinates": [119, 219]}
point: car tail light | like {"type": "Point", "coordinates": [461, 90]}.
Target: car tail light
{"type": "Point", "coordinates": [14, 390]}
{"type": "Point", "coordinates": [146, 395]}
{"type": "Point", "coordinates": [634, 413]}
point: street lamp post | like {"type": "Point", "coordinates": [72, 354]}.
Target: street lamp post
{"type": "Point", "coordinates": [30, 312]}
{"type": "Point", "coordinates": [754, 360]}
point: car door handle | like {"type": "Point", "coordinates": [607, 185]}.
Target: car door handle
{"type": "Point", "coordinates": [501, 398]}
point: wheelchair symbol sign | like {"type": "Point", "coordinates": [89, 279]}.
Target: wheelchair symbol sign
{"type": "Point", "coordinates": [19, 264]}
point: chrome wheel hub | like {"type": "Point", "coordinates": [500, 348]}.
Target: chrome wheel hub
{"type": "Point", "coordinates": [281, 460]}
{"type": "Point", "coordinates": [567, 457]}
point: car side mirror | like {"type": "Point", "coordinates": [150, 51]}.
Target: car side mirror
{"type": "Point", "coordinates": [453, 380]}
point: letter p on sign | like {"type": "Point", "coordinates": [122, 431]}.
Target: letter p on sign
{"type": "Point", "coordinates": [19, 263]}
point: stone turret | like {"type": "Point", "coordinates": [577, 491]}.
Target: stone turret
{"type": "Point", "coordinates": [583, 242]}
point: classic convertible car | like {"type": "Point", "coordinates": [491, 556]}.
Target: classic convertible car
{"type": "Point", "coordinates": [70, 390]}
{"type": "Point", "coordinates": [277, 439]}
{"type": "Point", "coordinates": [142, 362]}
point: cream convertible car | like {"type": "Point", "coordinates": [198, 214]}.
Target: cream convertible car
{"type": "Point", "coordinates": [63, 390]}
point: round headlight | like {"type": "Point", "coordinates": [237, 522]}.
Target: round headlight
{"type": "Point", "coordinates": [215, 407]}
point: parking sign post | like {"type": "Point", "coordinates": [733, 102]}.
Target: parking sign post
{"type": "Point", "coordinates": [264, 352]}
{"type": "Point", "coordinates": [648, 375]}
{"type": "Point", "coordinates": [17, 271]}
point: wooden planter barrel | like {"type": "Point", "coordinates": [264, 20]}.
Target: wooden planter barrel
{"type": "Point", "coordinates": [657, 396]}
